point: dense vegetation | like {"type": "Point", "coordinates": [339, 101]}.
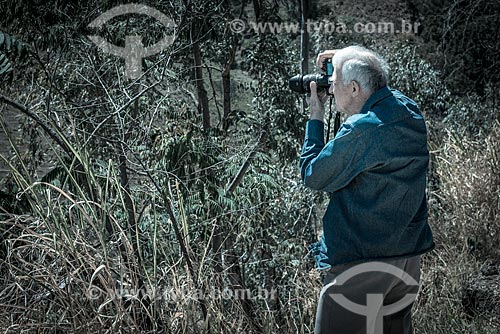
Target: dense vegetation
{"type": "Point", "coordinates": [172, 202]}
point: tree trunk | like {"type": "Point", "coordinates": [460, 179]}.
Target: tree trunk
{"type": "Point", "coordinates": [304, 44]}
{"type": "Point", "coordinates": [256, 9]}
{"type": "Point", "coordinates": [226, 85]}
{"type": "Point", "coordinates": [200, 88]}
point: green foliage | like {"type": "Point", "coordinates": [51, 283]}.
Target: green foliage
{"type": "Point", "coordinates": [417, 78]}
{"type": "Point", "coordinates": [464, 32]}
{"type": "Point", "coordinates": [272, 96]}
{"type": "Point", "coordinates": [470, 41]}
{"type": "Point", "coordinates": [10, 48]}
{"type": "Point", "coordinates": [473, 116]}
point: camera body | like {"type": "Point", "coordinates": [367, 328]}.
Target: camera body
{"type": "Point", "coordinates": [300, 83]}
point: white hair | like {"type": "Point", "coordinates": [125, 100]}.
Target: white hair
{"type": "Point", "coordinates": [364, 66]}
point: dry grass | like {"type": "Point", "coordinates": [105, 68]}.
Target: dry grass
{"type": "Point", "coordinates": [465, 217]}
{"type": "Point", "coordinates": [466, 203]}
{"type": "Point", "coordinates": [61, 272]}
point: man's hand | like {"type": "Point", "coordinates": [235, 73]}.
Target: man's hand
{"type": "Point", "coordinates": [316, 103]}
{"type": "Point", "coordinates": [324, 55]}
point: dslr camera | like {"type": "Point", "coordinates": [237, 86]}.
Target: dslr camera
{"type": "Point", "coordinates": [300, 83]}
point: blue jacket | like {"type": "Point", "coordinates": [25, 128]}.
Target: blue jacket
{"type": "Point", "coordinates": [375, 169]}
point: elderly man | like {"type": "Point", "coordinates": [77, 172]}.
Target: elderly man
{"type": "Point", "coordinates": [375, 171]}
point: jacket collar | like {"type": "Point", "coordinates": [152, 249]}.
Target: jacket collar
{"type": "Point", "coordinates": [375, 98]}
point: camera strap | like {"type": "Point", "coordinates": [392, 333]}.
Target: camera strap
{"type": "Point", "coordinates": [336, 124]}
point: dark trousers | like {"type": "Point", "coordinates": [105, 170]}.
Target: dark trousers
{"type": "Point", "coordinates": [369, 298]}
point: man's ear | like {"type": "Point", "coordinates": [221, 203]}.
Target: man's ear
{"type": "Point", "coordinates": [355, 88]}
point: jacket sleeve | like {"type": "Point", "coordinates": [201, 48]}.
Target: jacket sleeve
{"type": "Point", "coordinates": [332, 166]}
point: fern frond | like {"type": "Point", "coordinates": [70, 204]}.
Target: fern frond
{"type": "Point", "coordinates": [12, 46]}
{"type": "Point", "coordinates": [10, 49]}
{"type": "Point", "coordinates": [5, 67]}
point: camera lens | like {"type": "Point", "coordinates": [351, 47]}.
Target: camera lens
{"type": "Point", "coordinates": [300, 83]}
{"type": "Point", "coordinates": [296, 84]}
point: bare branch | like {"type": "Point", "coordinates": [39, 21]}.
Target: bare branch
{"type": "Point", "coordinates": [39, 121]}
